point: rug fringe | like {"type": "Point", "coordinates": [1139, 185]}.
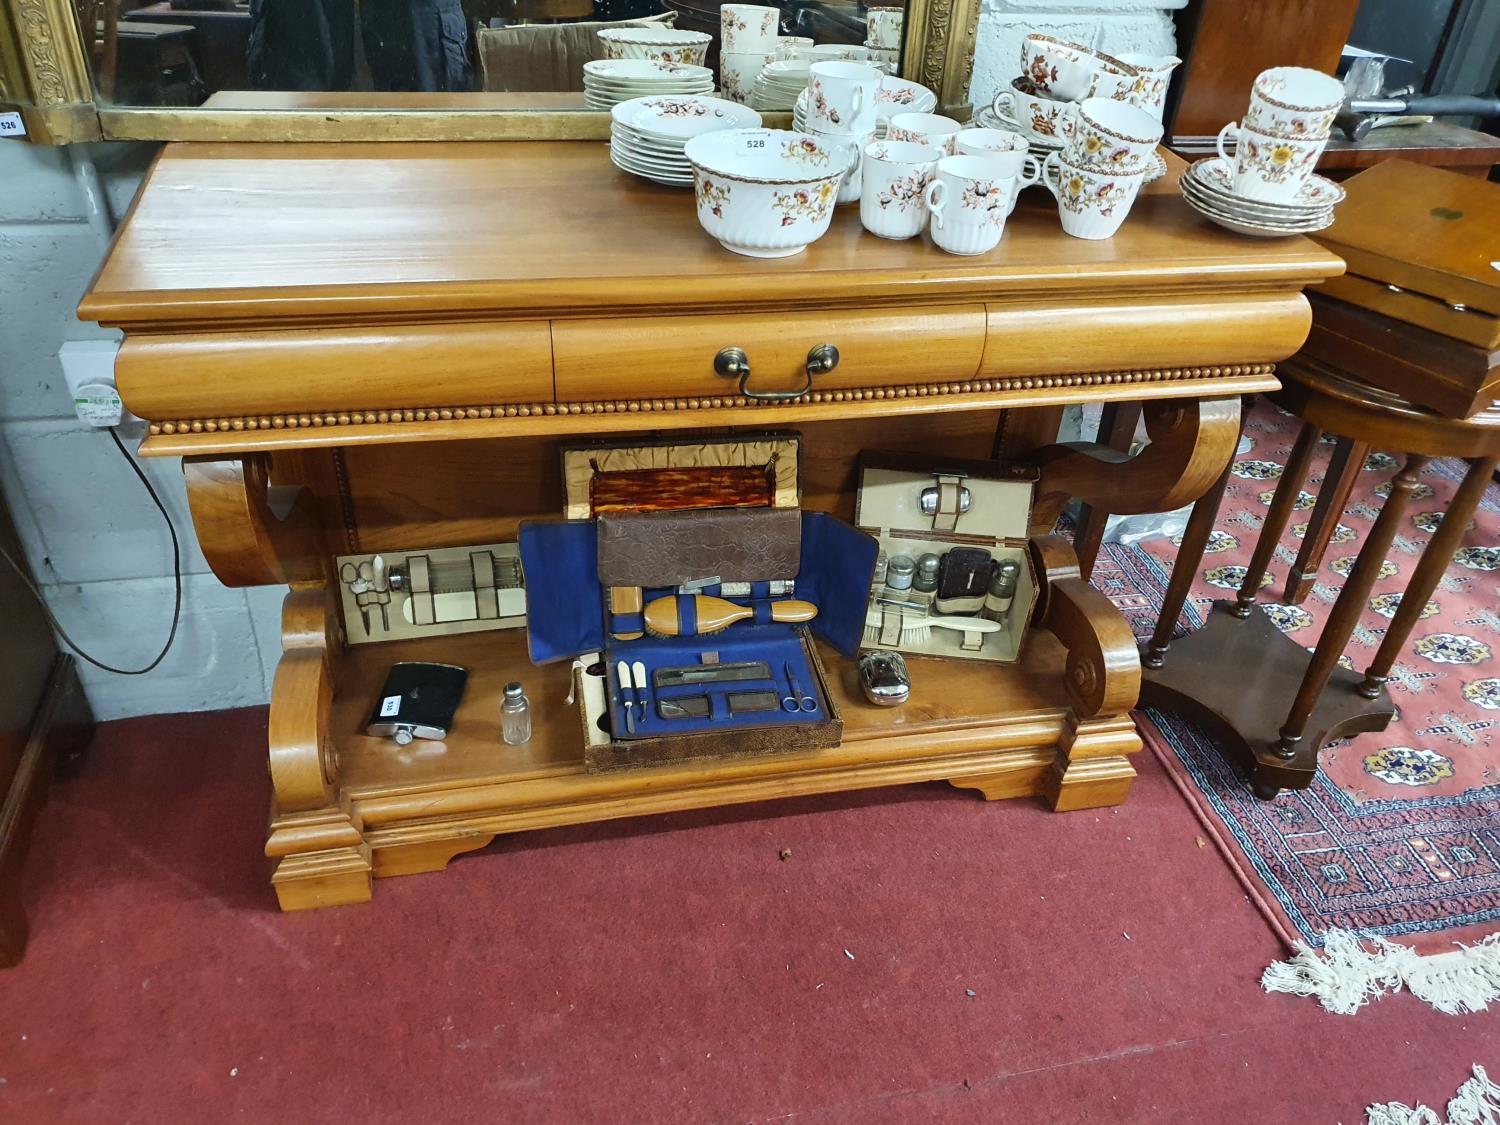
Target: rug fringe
{"type": "Point", "coordinates": [1345, 975]}
{"type": "Point", "coordinates": [1476, 1103]}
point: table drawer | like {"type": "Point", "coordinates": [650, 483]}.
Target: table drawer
{"type": "Point", "coordinates": [673, 356]}
{"type": "Point", "coordinates": [316, 369]}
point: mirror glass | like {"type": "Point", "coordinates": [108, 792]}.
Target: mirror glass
{"type": "Point", "coordinates": [465, 54]}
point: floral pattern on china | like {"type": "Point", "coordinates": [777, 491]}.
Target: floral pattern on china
{"type": "Point", "coordinates": [1093, 149]}
{"type": "Point", "coordinates": [712, 196]}
{"type": "Point", "coordinates": [820, 104]}
{"type": "Point", "coordinates": [805, 150]}
{"type": "Point", "coordinates": [1077, 196]}
{"type": "Point", "coordinates": [674, 55]}
{"type": "Point", "coordinates": [1316, 192]}
{"type": "Point", "coordinates": [1275, 160]}
{"type": "Point", "coordinates": [806, 203]}
{"type": "Point", "coordinates": [988, 197]}
{"type": "Point", "coordinates": [896, 95]}
{"type": "Point", "coordinates": [904, 193]}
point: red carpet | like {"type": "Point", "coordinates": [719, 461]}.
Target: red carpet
{"type": "Point", "coordinates": [672, 968]}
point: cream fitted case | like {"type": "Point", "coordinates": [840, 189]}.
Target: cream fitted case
{"type": "Point", "coordinates": [997, 520]}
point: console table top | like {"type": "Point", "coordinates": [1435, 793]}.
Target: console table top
{"type": "Point", "coordinates": [235, 233]}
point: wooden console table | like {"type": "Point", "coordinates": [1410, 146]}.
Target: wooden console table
{"type": "Point", "coordinates": [408, 332]}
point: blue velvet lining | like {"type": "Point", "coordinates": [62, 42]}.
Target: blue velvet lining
{"type": "Point", "coordinates": [566, 617]}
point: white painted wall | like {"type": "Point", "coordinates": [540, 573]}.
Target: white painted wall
{"type": "Point", "coordinates": [1114, 26]}
{"type": "Point", "coordinates": [93, 538]}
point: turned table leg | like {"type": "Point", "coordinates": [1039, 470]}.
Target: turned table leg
{"type": "Point", "coordinates": [1117, 425]}
{"type": "Point", "coordinates": [1189, 556]}
{"type": "Point", "coordinates": [1430, 568]}
{"type": "Point", "coordinates": [1349, 606]}
{"type": "Point", "coordinates": [1276, 518]}
{"type": "Point", "coordinates": [1343, 470]}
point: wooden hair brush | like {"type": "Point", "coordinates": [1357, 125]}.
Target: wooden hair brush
{"type": "Point", "coordinates": [716, 614]}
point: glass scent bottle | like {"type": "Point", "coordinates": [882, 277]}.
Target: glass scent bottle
{"type": "Point", "coordinates": [515, 716]}
{"type": "Point", "coordinates": [899, 570]}
{"type": "Point", "coordinates": [926, 579]}
{"type": "Point", "coordinates": [1002, 593]}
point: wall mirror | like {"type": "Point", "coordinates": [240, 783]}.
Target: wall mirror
{"type": "Point", "coordinates": [429, 69]}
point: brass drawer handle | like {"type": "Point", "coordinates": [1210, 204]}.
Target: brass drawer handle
{"type": "Point", "coordinates": [733, 362]}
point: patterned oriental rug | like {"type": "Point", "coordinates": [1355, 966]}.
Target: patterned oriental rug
{"type": "Point", "coordinates": [1400, 833]}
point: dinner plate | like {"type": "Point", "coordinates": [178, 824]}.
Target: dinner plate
{"type": "Point", "coordinates": [656, 175]}
{"type": "Point", "coordinates": [644, 70]}
{"type": "Point", "coordinates": [680, 117]}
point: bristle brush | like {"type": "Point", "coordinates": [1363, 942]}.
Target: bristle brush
{"type": "Point", "coordinates": [713, 615]}
{"type": "Point", "coordinates": [918, 630]}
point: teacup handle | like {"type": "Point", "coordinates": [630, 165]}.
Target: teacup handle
{"type": "Point", "coordinates": [858, 104]}
{"type": "Point", "coordinates": [933, 195]}
{"type": "Point", "coordinates": [1053, 164]}
{"type": "Point", "coordinates": [1232, 128]}
{"type": "Point", "coordinates": [1007, 99]}
{"type": "Point", "coordinates": [1030, 173]}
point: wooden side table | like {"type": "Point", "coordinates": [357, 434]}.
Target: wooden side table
{"type": "Point", "coordinates": [1239, 674]}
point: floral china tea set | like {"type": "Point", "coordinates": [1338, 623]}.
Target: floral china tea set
{"type": "Point", "coordinates": [1262, 181]}
{"type": "Point", "coordinates": [1083, 124]}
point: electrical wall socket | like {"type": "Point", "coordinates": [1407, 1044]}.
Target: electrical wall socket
{"type": "Point", "coordinates": [89, 369]}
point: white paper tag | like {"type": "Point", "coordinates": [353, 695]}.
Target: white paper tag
{"type": "Point", "coordinates": [11, 124]}
{"type": "Point", "coordinates": [752, 142]}
{"type": "Point", "coordinates": [390, 706]}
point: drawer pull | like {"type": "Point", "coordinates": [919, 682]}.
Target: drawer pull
{"type": "Point", "coordinates": [734, 363]}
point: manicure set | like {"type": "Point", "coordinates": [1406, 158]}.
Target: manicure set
{"type": "Point", "coordinates": [706, 620]}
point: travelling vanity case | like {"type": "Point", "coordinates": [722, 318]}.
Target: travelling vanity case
{"type": "Point", "coordinates": [610, 591]}
{"type": "Point", "coordinates": [967, 518]}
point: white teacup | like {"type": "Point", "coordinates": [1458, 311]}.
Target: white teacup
{"type": "Point", "coordinates": [838, 52]}
{"type": "Point", "coordinates": [1009, 148]}
{"type": "Point", "coordinates": [1091, 203]}
{"type": "Point", "coordinates": [1113, 135]}
{"type": "Point", "coordinates": [1293, 101]}
{"type": "Point", "coordinates": [885, 26]}
{"type": "Point", "coordinates": [1153, 78]}
{"type": "Point", "coordinates": [748, 29]}
{"type": "Point", "coordinates": [924, 128]}
{"type": "Point", "coordinates": [841, 96]}
{"type": "Point", "coordinates": [1266, 166]}
{"type": "Point", "coordinates": [895, 175]}
{"type": "Point", "coordinates": [1059, 69]}
{"type": "Point", "coordinates": [791, 47]}
{"type": "Point", "coordinates": [849, 186]}
{"type": "Point", "coordinates": [1045, 119]}
{"type": "Point", "coordinates": [738, 72]}
{"type": "Point", "coordinates": [969, 201]}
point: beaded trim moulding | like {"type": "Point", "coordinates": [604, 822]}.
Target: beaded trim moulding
{"type": "Point", "coordinates": [316, 420]}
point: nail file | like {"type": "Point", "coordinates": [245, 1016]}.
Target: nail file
{"type": "Point", "coordinates": [638, 675]}
{"type": "Point", "coordinates": [623, 671]}
{"type": "Point", "coordinates": [744, 702]}
{"type": "Point", "coordinates": [687, 707]}
{"type": "Point", "coordinates": [711, 673]}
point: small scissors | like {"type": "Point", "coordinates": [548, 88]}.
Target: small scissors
{"type": "Point", "coordinates": [796, 701]}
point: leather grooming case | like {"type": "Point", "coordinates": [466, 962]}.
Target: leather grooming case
{"type": "Point", "coordinates": [916, 506]}
{"type": "Point", "coordinates": [591, 583]}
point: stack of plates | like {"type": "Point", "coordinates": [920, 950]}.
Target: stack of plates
{"type": "Point", "coordinates": [646, 135]}
{"type": "Point", "coordinates": [1208, 187]}
{"type": "Point", "coordinates": [895, 95]}
{"type": "Point", "coordinates": [779, 83]}
{"type": "Point", "coordinates": [607, 82]}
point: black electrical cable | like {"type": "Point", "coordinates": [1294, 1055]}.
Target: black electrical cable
{"type": "Point", "coordinates": [176, 577]}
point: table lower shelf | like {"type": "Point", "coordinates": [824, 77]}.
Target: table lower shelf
{"type": "Point", "coordinates": [1006, 731]}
